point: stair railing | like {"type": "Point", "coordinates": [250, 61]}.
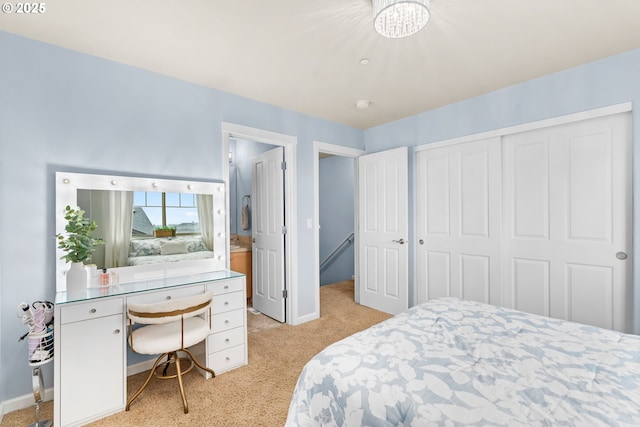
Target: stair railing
{"type": "Point", "coordinates": [346, 240]}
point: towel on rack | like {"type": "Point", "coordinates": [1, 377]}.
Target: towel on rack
{"type": "Point", "coordinates": [245, 214]}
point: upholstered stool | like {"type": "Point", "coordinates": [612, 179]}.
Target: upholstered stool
{"type": "Point", "coordinates": [170, 327]}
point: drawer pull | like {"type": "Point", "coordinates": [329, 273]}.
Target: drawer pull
{"type": "Point", "coordinates": [227, 340]}
{"type": "Point", "coordinates": [226, 322]}
{"type": "Point", "coordinates": [227, 358]}
{"type": "Point", "coordinates": [117, 331]}
{"type": "Point", "coordinates": [226, 286]}
{"type": "Point", "coordinates": [168, 297]}
{"type": "Point", "coordinates": [92, 311]}
{"type": "Point", "coordinates": [226, 303]}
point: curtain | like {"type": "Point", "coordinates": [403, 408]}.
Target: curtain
{"type": "Point", "coordinates": [119, 217]}
{"type": "Point", "coordinates": [205, 217]}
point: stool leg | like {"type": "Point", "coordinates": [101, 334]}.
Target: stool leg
{"type": "Point", "coordinates": [179, 372]}
{"type": "Point", "coordinates": [204, 368]}
{"type": "Point", "coordinates": [146, 383]}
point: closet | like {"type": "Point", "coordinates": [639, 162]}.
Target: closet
{"type": "Point", "coordinates": [536, 220]}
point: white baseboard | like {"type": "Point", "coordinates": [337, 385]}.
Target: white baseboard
{"type": "Point", "coordinates": [22, 402]}
{"type": "Point", "coordinates": [140, 367]}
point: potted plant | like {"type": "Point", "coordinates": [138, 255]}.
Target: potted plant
{"type": "Point", "coordinates": [164, 231]}
{"type": "Point", "coordinates": [78, 243]}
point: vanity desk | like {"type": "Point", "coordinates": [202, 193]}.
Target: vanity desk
{"type": "Point", "coordinates": [91, 331]}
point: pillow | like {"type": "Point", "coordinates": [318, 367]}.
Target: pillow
{"type": "Point", "coordinates": [195, 244]}
{"type": "Point", "coordinates": [173, 247]}
{"type": "Point", "coordinates": [144, 247]}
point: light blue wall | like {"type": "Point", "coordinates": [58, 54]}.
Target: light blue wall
{"type": "Point", "coordinates": [602, 83]}
{"type": "Point", "coordinates": [336, 216]}
{"type": "Point", "coordinates": [62, 110]}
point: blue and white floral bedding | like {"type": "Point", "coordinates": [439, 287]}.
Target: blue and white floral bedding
{"type": "Point", "coordinates": [183, 248]}
{"type": "Point", "coordinates": [455, 363]}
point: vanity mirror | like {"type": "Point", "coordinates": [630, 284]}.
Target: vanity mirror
{"type": "Point", "coordinates": [132, 214]}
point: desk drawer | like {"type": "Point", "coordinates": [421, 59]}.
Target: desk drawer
{"type": "Point", "coordinates": [159, 296]}
{"type": "Point", "coordinates": [90, 310]}
{"type": "Point", "coordinates": [227, 302]}
{"type": "Point", "coordinates": [225, 360]}
{"type": "Point", "coordinates": [231, 285]}
{"type": "Point", "coordinates": [225, 340]}
{"type": "Point", "coordinates": [229, 320]}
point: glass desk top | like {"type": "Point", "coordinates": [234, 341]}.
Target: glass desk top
{"type": "Point", "coordinates": [143, 286]}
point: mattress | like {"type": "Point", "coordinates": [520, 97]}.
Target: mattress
{"type": "Point", "coordinates": [453, 362]}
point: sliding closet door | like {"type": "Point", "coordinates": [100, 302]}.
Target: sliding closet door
{"type": "Point", "coordinates": [567, 221]}
{"type": "Point", "coordinates": [458, 221]}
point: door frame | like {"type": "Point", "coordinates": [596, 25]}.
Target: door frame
{"type": "Point", "coordinates": [289, 142]}
{"type": "Point", "coordinates": [336, 150]}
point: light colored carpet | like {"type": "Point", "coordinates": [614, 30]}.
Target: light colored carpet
{"type": "Point", "coordinates": [257, 394]}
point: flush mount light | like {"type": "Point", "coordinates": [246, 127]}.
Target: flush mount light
{"type": "Point", "coordinates": [363, 103]}
{"type": "Point", "coordinates": [364, 61]}
{"type": "Point", "coordinates": [395, 19]}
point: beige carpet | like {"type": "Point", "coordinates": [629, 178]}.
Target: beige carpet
{"type": "Point", "coordinates": [254, 395]}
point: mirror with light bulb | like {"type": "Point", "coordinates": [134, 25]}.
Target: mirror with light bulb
{"type": "Point", "coordinates": [151, 227]}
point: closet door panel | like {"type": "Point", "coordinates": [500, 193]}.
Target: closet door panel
{"type": "Point", "coordinates": [474, 278]}
{"type": "Point", "coordinates": [458, 222]}
{"type": "Point", "coordinates": [528, 167]}
{"type": "Point", "coordinates": [590, 183]}
{"type": "Point", "coordinates": [438, 274]}
{"type": "Point", "coordinates": [567, 205]}
{"type": "Point", "coordinates": [530, 280]}
{"type": "Point", "coordinates": [590, 287]}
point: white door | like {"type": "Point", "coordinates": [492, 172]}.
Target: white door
{"type": "Point", "coordinates": [383, 230]}
{"type": "Point", "coordinates": [567, 229]}
{"type": "Point", "coordinates": [458, 222]}
{"type": "Point", "coordinates": [268, 230]}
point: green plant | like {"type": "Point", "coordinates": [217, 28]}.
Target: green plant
{"type": "Point", "coordinates": [78, 241]}
{"type": "Point", "coordinates": [165, 227]}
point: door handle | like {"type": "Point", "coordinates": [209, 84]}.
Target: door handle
{"type": "Point", "coordinates": [621, 256]}
{"type": "Point", "coordinates": [253, 240]}
{"type": "Point", "coordinates": [401, 241]}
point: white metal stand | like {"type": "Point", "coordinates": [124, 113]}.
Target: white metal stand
{"type": "Point", "coordinates": [40, 353]}
{"type": "Point", "coordinates": [38, 392]}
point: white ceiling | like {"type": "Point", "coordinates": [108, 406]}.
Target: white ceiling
{"type": "Point", "coordinates": [304, 55]}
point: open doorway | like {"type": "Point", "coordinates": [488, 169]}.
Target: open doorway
{"type": "Point", "coordinates": [256, 139]}
{"type": "Point", "coordinates": [335, 167]}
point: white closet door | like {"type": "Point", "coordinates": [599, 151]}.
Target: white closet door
{"type": "Point", "coordinates": [458, 222]}
{"type": "Point", "coordinates": [567, 221]}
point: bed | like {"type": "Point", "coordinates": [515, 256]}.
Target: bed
{"type": "Point", "coordinates": [171, 249]}
{"type": "Point", "coordinates": [453, 362]}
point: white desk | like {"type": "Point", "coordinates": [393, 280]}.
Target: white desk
{"type": "Point", "coordinates": [90, 339]}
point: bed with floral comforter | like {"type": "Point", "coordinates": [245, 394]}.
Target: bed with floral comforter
{"type": "Point", "coordinates": [456, 363]}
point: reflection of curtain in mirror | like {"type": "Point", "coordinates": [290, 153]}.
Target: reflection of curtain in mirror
{"type": "Point", "coordinates": [205, 217]}
{"type": "Point", "coordinates": [119, 208]}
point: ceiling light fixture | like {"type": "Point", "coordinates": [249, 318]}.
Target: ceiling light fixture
{"type": "Point", "coordinates": [395, 19]}
{"type": "Point", "coordinates": [363, 103]}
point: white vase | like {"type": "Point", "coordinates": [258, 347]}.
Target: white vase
{"type": "Point", "coordinates": [76, 278]}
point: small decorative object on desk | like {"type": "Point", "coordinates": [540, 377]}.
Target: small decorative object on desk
{"type": "Point", "coordinates": [78, 243]}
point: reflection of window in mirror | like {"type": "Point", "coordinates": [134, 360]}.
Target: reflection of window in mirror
{"type": "Point", "coordinates": [155, 209]}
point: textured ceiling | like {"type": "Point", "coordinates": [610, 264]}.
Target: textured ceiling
{"type": "Point", "coordinates": [304, 55]}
